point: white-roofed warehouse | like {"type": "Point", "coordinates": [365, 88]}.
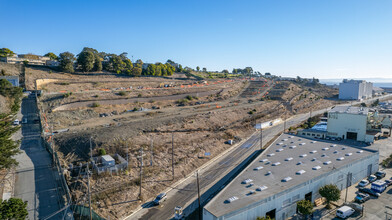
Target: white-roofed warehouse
{"type": "Point", "coordinates": [275, 189]}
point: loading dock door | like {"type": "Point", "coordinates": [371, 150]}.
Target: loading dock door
{"type": "Point", "coordinates": [352, 135]}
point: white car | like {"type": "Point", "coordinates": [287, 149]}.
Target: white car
{"type": "Point", "coordinates": [16, 122]}
{"type": "Point", "coordinates": [363, 183]}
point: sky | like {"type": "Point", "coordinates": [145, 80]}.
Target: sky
{"type": "Point", "coordinates": [307, 38]}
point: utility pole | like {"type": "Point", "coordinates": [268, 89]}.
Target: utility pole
{"type": "Point", "coordinates": [152, 152]}
{"type": "Point", "coordinates": [173, 155]}
{"type": "Point", "coordinates": [198, 193]}
{"type": "Point", "coordinates": [89, 194]}
{"type": "Point", "coordinates": [347, 185]}
{"type": "Point", "coordinates": [261, 138]}
{"type": "Point", "coordinates": [51, 146]}
{"type": "Point", "coordinates": [141, 173]}
{"type": "Point", "coordinates": [91, 150]}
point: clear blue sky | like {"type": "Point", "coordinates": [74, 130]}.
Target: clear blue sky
{"type": "Point", "coordinates": [321, 38]}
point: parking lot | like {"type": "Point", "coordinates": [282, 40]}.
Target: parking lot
{"type": "Point", "coordinates": [375, 208]}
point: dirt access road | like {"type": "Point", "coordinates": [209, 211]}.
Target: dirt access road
{"type": "Point", "coordinates": [76, 105]}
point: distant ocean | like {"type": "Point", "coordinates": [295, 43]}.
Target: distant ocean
{"type": "Point", "coordinates": [384, 85]}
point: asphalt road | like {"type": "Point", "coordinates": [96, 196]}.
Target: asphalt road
{"type": "Point", "coordinates": [35, 178]}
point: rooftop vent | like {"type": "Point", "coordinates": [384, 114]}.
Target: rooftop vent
{"type": "Point", "coordinates": [232, 199]}
{"type": "Point", "coordinates": [279, 150]}
{"type": "Point", "coordinates": [314, 159]}
{"type": "Point", "coordinates": [349, 154]}
{"type": "Point", "coordinates": [299, 163]}
{"type": "Point", "coordinates": [302, 143]}
{"type": "Point", "coordinates": [292, 147]}
{"type": "Point", "coordinates": [316, 168]}
{"type": "Point", "coordinates": [276, 164]}
{"type": "Point", "coordinates": [325, 148]}
{"type": "Point", "coordinates": [279, 143]}
{"type": "Point", "coordinates": [343, 148]}
{"type": "Point", "coordinates": [285, 139]}
{"type": "Point", "coordinates": [291, 136]}
{"type": "Point", "coordinates": [333, 145]}
{"type": "Point", "coordinates": [313, 151]}
{"type": "Point", "coordinates": [288, 159]}
{"type": "Point", "coordinates": [300, 172]}
{"type": "Point", "coordinates": [286, 179]}
{"type": "Point", "coordinates": [268, 162]}
{"type": "Point", "coordinates": [264, 160]}
{"type": "Point", "coordinates": [340, 158]}
{"type": "Point", "coordinates": [268, 173]}
{"type": "Point", "coordinates": [247, 181]}
{"type": "Point", "coordinates": [335, 152]}
{"type": "Point", "coordinates": [323, 155]}
{"type": "Point", "coordinates": [261, 188]}
{"type": "Point", "coordinates": [313, 142]}
{"type": "Point", "coordinates": [270, 155]}
{"type": "Point", "coordinates": [258, 168]}
{"type": "Point", "coordinates": [251, 192]}
{"type": "Point", "coordinates": [327, 162]}
{"type": "Point", "coordinates": [303, 155]}
{"type": "Point", "coordinates": [360, 151]}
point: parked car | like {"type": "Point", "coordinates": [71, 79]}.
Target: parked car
{"type": "Point", "coordinates": [380, 174]}
{"type": "Point", "coordinates": [160, 198]}
{"type": "Point", "coordinates": [16, 122]}
{"type": "Point", "coordinates": [389, 182]}
{"type": "Point", "coordinates": [344, 212]}
{"type": "Point", "coordinates": [363, 183]}
{"type": "Point", "coordinates": [369, 191]}
{"type": "Point", "coordinates": [362, 197]}
{"type": "Point", "coordinates": [372, 178]}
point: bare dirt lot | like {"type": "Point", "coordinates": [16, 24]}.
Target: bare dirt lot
{"type": "Point", "coordinates": [200, 116]}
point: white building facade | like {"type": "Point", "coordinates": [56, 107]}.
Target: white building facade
{"type": "Point", "coordinates": [348, 122]}
{"type": "Point", "coordinates": [355, 89]}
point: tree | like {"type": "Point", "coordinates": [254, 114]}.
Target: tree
{"type": "Point", "coordinates": [13, 208]}
{"type": "Point", "coordinates": [67, 60]}
{"type": "Point", "coordinates": [151, 68]}
{"type": "Point", "coordinates": [51, 55]}
{"type": "Point", "coordinates": [225, 71]}
{"type": "Point", "coordinates": [97, 63]}
{"type": "Point", "coordinates": [101, 151]}
{"type": "Point", "coordinates": [86, 61]}
{"type": "Point", "coordinates": [137, 71]}
{"type": "Point", "coordinates": [305, 207]}
{"type": "Point", "coordinates": [363, 104]}
{"type": "Point", "coordinates": [235, 71]}
{"type": "Point", "coordinates": [5, 52]}
{"type": "Point", "coordinates": [198, 68]}
{"type": "Point", "coordinates": [179, 68]}
{"type": "Point", "coordinates": [204, 69]}
{"type": "Point", "coordinates": [264, 218]}
{"type": "Point", "coordinates": [139, 63]}
{"type": "Point", "coordinates": [331, 193]}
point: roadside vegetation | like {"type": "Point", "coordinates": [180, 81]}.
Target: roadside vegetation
{"type": "Point", "coordinates": [9, 147]}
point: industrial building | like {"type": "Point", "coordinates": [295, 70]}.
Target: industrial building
{"type": "Point", "coordinates": [355, 89]}
{"type": "Point", "coordinates": [291, 169]}
{"type": "Point", "coordinates": [356, 123]}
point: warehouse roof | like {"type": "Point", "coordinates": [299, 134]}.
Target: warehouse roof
{"type": "Point", "coordinates": [350, 110]}
{"type": "Point", "coordinates": [288, 162]}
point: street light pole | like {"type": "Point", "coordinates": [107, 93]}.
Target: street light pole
{"type": "Point", "coordinates": [198, 193]}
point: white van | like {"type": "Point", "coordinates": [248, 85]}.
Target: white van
{"type": "Point", "coordinates": [344, 212]}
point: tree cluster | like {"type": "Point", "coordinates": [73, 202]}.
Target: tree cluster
{"type": "Point", "coordinates": [159, 69]}
{"type": "Point", "coordinates": [5, 52]}
{"type": "Point", "coordinates": [8, 147]}
{"type": "Point", "coordinates": [66, 60]}
{"type": "Point", "coordinates": [331, 193]}
{"type": "Point", "coordinates": [247, 70]}
{"type": "Point", "coordinates": [13, 208]}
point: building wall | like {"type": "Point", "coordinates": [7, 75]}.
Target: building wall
{"type": "Point", "coordinates": [341, 123]}
{"type": "Point", "coordinates": [285, 201]}
{"type": "Point", "coordinates": [349, 91]}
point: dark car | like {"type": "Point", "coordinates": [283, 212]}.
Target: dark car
{"type": "Point", "coordinates": [369, 191]}
{"type": "Point", "coordinates": [362, 197]}
{"type": "Point", "coordinates": [380, 174]}
{"type": "Point", "coordinates": [160, 198]}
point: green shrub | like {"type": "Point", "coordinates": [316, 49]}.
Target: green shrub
{"type": "Point", "coordinates": [101, 151]}
{"type": "Point", "coordinates": [95, 104]}
{"type": "Point", "coordinates": [139, 95]}
{"type": "Point", "coordinates": [122, 93]}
